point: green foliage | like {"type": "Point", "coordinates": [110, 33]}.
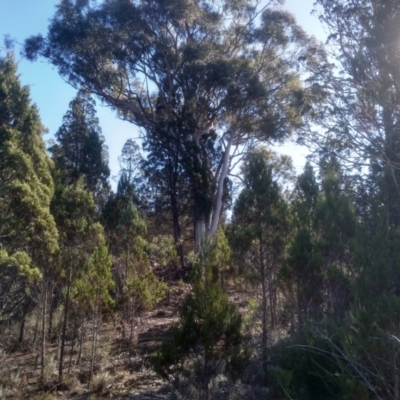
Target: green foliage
{"type": "Point", "coordinates": [334, 214]}
{"type": "Point", "coordinates": [209, 89]}
{"type": "Point", "coordinates": [116, 204]}
{"type": "Point", "coordinates": [163, 251]}
{"type": "Point", "coordinates": [94, 281]}
{"type": "Point", "coordinates": [137, 288]}
{"type": "Point", "coordinates": [260, 216]}
{"type": "Point", "coordinates": [253, 308]}
{"type": "Point", "coordinates": [139, 282]}
{"type": "Point", "coordinates": [301, 275]}
{"type": "Point", "coordinates": [317, 274]}
{"type": "Point", "coordinates": [84, 262]}
{"type": "Point", "coordinates": [21, 261]}
{"type": "Point", "coordinates": [130, 160]}
{"type": "Point", "coordinates": [221, 250]}
{"type": "Point", "coordinates": [74, 210]}
{"type": "Point", "coordinates": [222, 255]}
{"type": "Point", "coordinates": [354, 357]}
{"type": "Point", "coordinates": [80, 153]}
{"type": "Point", "coordinates": [18, 277]}
{"type": "Point", "coordinates": [280, 382]}
{"type": "Point", "coordinates": [220, 78]}
{"type": "Point", "coordinates": [145, 290]}
{"type": "Point", "coordinates": [335, 227]}
{"type": "Point", "coordinates": [131, 226]}
{"type": "Point", "coordinates": [216, 254]}
{"type": "Point", "coordinates": [207, 339]}
{"type": "Point", "coordinates": [308, 367]}
{"type": "Point", "coordinates": [25, 180]}
{"type": "Point", "coordinates": [28, 235]}
{"type": "Point", "coordinates": [82, 281]}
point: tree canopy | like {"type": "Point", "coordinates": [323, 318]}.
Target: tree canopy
{"type": "Point", "coordinates": [80, 152]}
{"type": "Point", "coordinates": [212, 78]}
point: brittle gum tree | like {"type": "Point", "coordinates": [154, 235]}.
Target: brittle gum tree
{"type": "Point", "coordinates": [210, 77]}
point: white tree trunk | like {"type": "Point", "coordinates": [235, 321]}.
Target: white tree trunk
{"type": "Point", "coordinates": [217, 206]}
{"type": "Point", "coordinates": [199, 231]}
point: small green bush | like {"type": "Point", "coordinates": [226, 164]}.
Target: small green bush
{"type": "Point", "coordinates": [207, 341]}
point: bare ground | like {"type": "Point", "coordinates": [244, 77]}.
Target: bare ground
{"type": "Point", "coordinates": [122, 367]}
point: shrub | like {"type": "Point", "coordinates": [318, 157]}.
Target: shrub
{"type": "Point", "coordinates": [207, 340]}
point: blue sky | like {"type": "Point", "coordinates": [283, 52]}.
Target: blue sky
{"type": "Point", "coordinates": [21, 19]}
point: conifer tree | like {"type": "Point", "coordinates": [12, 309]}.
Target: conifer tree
{"type": "Point", "coordinates": [84, 266]}
{"type": "Point", "coordinates": [169, 200]}
{"type": "Point", "coordinates": [91, 288]}
{"type": "Point", "coordinates": [140, 289]}
{"type": "Point", "coordinates": [301, 275]}
{"type": "Point", "coordinates": [28, 235]}
{"type": "Point", "coordinates": [80, 152]}
{"type": "Point", "coordinates": [131, 161]}
{"type": "Point", "coordinates": [137, 287]}
{"type": "Point", "coordinates": [114, 207]}
{"type": "Point", "coordinates": [260, 219]}
{"type": "Point", "coordinates": [335, 225]}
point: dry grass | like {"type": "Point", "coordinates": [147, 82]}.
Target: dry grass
{"type": "Point", "coordinates": [122, 367]}
{"type": "Point", "coordinates": [101, 383]}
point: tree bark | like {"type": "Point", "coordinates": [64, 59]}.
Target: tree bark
{"type": "Point", "coordinates": [199, 230]}
{"type": "Point", "coordinates": [51, 314]}
{"type": "Point", "coordinates": [217, 206]}
{"type": "Point", "coordinates": [22, 326]}
{"type": "Point", "coordinates": [395, 374]}
{"type": "Point", "coordinates": [36, 330]}
{"type": "Point", "coordinates": [176, 226]}
{"type": "Point", "coordinates": [271, 300]}
{"type": "Point", "coordinates": [264, 345]}
{"type": "Point", "coordinates": [94, 340]}
{"type": "Point", "coordinates": [72, 346]}
{"type": "Point", "coordinates": [43, 350]}
{"type": "Point", "coordinates": [81, 341]}
{"type": "Point", "coordinates": [64, 328]}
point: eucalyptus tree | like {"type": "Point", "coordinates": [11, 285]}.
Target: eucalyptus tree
{"type": "Point", "coordinates": [211, 77]}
